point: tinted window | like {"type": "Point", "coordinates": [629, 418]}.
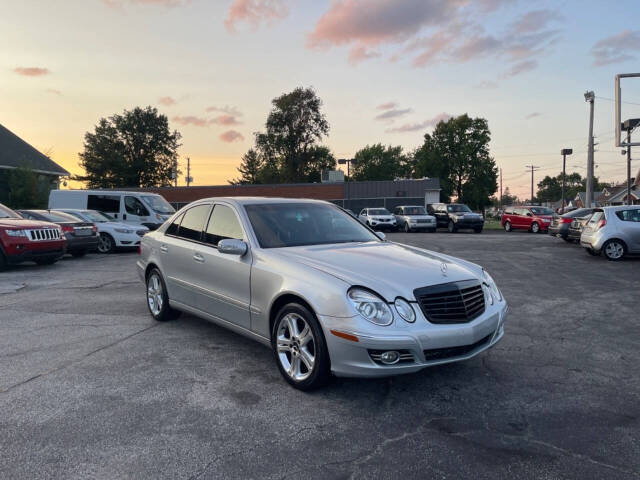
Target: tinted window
{"type": "Point", "coordinates": [104, 203]}
{"type": "Point", "coordinates": [595, 218]}
{"type": "Point", "coordinates": [293, 224]}
{"type": "Point", "coordinates": [542, 211]}
{"type": "Point", "coordinates": [629, 215]}
{"type": "Point", "coordinates": [193, 222]}
{"type": "Point", "coordinates": [173, 228]}
{"type": "Point", "coordinates": [135, 207]}
{"type": "Point", "coordinates": [58, 217]}
{"type": "Point", "coordinates": [222, 224]}
{"type": "Point", "coordinates": [398, 211]}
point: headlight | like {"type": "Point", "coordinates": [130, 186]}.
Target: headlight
{"type": "Point", "coordinates": [123, 230]}
{"type": "Point", "coordinates": [370, 306]}
{"type": "Point", "coordinates": [493, 288]}
{"type": "Point", "coordinates": [405, 310]}
{"type": "Point", "coordinates": [16, 233]}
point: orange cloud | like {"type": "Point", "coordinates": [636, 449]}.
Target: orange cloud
{"type": "Point", "coordinates": [31, 71]}
{"type": "Point", "coordinates": [168, 101]}
{"type": "Point", "coordinates": [191, 120]}
{"type": "Point", "coordinates": [254, 12]}
{"type": "Point", "coordinates": [231, 136]}
{"type": "Point", "coordinates": [225, 120]}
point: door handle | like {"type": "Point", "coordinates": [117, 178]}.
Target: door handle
{"type": "Point", "coordinates": [198, 257]}
{"type": "Point", "coordinates": [164, 248]}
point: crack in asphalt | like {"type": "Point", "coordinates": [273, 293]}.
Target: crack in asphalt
{"type": "Point", "coordinates": [68, 364]}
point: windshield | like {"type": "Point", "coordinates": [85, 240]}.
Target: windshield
{"type": "Point", "coordinates": [378, 211]}
{"type": "Point", "coordinates": [458, 209]}
{"type": "Point", "coordinates": [541, 211]}
{"type": "Point", "coordinates": [295, 224]}
{"type": "Point", "coordinates": [414, 211]}
{"type": "Point", "coordinates": [8, 213]}
{"type": "Point", "coordinates": [158, 204]}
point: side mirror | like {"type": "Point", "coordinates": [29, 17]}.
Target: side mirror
{"type": "Point", "coordinates": [232, 246]}
{"type": "Point", "coordinates": [381, 235]}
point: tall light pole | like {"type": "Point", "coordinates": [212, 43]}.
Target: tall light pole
{"type": "Point", "coordinates": [628, 126]}
{"type": "Point", "coordinates": [589, 97]}
{"type": "Point", "coordinates": [348, 161]}
{"type": "Point", "coordinates": [564, 152]}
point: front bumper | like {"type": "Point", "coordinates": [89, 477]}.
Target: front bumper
{"type": "Point", "coordinates": [381, 225]}
{"type": "Point", "coordinates": [420, 339]}
{"type": "Point", "coordinates": [127, 239]}
{"type": "Point", "coordinates": [469, 223]}
{"type": "Point", "coordinates": [31, 255]}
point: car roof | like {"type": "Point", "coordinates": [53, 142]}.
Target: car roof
{"type": "Point", "coordinates": [262, 200]}
{"type": "Point", "coordinates": [615, 208]}
{"type": "Point", "coordinates": [409, 206]}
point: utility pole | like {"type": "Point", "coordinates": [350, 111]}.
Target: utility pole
{"type": "Point", "coordinates": [500, 187]}
{"type": "Point", "coordinates": [189, 179]}
{"type": "Point", "coordinates": [533, 169]}
{"type": "Point", "coordinates": [629, 165]}
{"type": "Point", "coordinates": [589, 97]}
{"type": "Point", "coordinates": [564, 152]}
{"type": "Point", "coordinates": [175, 172]}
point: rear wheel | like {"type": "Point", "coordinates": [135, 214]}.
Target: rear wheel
{"type": "Point", "coordinates": [106, 244]}
{"type": "Point", "coordinates": [614, 250]}
{"type": "Point", "coordinates": [535, 227]}
{"type": "Point", "coordinates": [407, 229]}
{"type": "Point", "coordinates": [507, 226]}
{"type": "Point", "coordinates": [157, 299]}
{"type": "Point", "coordinates": [299, 347]}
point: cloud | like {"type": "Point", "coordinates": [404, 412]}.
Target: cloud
{"type": "Point", "coordinates": [616, 48]}
{"type": "Point", "coordinates": [161, 3]}
{"type": "Point", "coordinates": [191, 120]}
{"type": "Point", "coordinates": [225, 120]}
{"type": "Point", "coordinates": [359, 53]}
{"type": "Point", "coordinates": [231, 136]}
{"type": "Point", "coordinates": [393, 113]}
{"type": "Point", "coordinates": [519, 68]}
{"type": "Point", "coordinates": [53, 91]}
{"type": "Point", "coordinates": [486, 84]}
{"type": "Point", "coordinates": [532, 115]}
{"type": "Point", "coordinates": [534, 21]}
{"type": "Point", "coordinates": [386, 106]}
{"type": "Point", "coordinates": [413, 127]}
{"type": "Point", "coordinates": [255, 12]}
{"type": "Point", "coordinates": [226, 109]}
{"type": "Point", "coordinates": [31, 71]}
{"type": "Point", "coordinates": [168, 101]}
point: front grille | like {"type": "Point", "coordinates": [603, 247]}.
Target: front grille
{"type": "Point", "coordinates": [43, 234]}
{"type": "Point", "coordinates": [423, 220]}
{"type": "Point", "coordinates": [405, 356]}
{"type": "Point", "coordinates": [452, 352]}
{"type": "Point", "coordinates": [455, 302]}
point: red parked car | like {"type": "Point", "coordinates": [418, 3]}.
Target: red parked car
{"type": "Point", "coordinates": [532, 218]}
{"type": "Point", "coordinates": [23, 240]}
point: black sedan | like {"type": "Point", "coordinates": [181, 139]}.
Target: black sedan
{"type": "Point", "coordinates": [82, 237]}
{"type": "Point", "coordinates": [576, 227]}
{"type": "Point", "coordinates": [560, 225]}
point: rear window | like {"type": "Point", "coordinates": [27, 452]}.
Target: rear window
{"type": "Point", "coordinates": [59, 217]}
{"type": "Point", "coordinates": [595, 218]}
{"type": "Point", "coordinates": [541, 211]}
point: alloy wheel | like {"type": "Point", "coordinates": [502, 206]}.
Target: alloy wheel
{"type": "Point", "coordinates": [507, 226]}
{"type": "Point", "coordinates": [614, 250]}
{"type": "Point", "coordinates": [535, 228]}
{"type": "Point", "coordinates": [296, 346]}
{"type": "Point", "coordinates": [154, 294]}
{"type": "Point", "coordinates": [104, 243]}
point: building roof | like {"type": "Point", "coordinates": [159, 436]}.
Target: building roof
{"type": "Point", "coordinates": [583, 196]}
{"type": "Point", "coordinates": [15, 152]}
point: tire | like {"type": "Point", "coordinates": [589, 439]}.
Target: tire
{"type": "Point", "coordinates": [478, 230]}
{"type": "Point", "coordinates": [106, 243]}
{"type": "Point", "coordinates": [78, 253]}
{"type": "Point", "coordinates": [614, 250]}
{"type": "Point", "coordinates": [3, 262]}
{"type": "Point", "coordinates": [157, 299]}
{"type": "Point", "coordinates": [407, 228]}
{"type": "Point", "coordinates": [299, 348]}
{"type": "Point", "coordinates": [451, 227]}
{"type": "Point", "coordinates": [507, 226]}
{"type": "Point", "coordinates": [535, 227]}
{"type": "Point", "coordinates": [46, 261]}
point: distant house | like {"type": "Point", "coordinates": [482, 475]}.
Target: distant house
{"type": "Point", "coordinates": [15, 153]}
{"type": "Point", "coordinates": [581, 199]}
{"type": "Point", "coordinates": [617, 195]}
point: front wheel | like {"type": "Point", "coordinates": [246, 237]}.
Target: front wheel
{"type": "Point", "coordinates": [614, 250]}
{"type": "Point", "coordinates": [507, 226]}
{"type": "Point", "coordinates": [157, 298]}
{"type": "Point", "coordinates": [407, 229]}
{"type": "Point", "coordinates": [478, 230]}
{"type": "Point", "coordinates": [299, 347]}
{"type": "Point", "coordinates": [535, 227]}
{"type": "Point", "coordinates": [451, 227]}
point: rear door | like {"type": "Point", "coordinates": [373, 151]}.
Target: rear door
{"type": "Point", "coordinates": [223, 280]}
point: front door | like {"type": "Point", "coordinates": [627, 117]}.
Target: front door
{"type": "Point", "coordinates": [134, 211]}
{"type": "Point", "coordinates": [223, 280]}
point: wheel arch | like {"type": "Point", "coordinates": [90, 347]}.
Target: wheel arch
{"type": "Point", "coordinates": [283, 299]}
{"type": "Point", "coordinates": [624, 244]}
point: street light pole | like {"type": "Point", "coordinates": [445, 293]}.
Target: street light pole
{"type": "Point", "coordinates": [589, 96]}
{"type": "Point", "coordinates": [564, 152]}
{"type": "Point", "coordinates": [348, 162]}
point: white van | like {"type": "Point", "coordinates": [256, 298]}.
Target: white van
{"type": "Point", "coordinates": [136, 208]}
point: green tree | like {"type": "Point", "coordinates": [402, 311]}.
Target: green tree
{"type": "Point", "coordinates": [249, 169]}
{"type": "Point", "coordinates": [507, 198]}
{"type": "Point", "coordinates": [457, 152]}
{"type": "Point", "coordinates": [135, 149]}
{"type": "Point", "coordinates": [27, 189]}
{"type": "Point", "coordinates": [288, 149]}
{"type": "Point", "coordinates": [377, 162]}
{"type": "Point", "coordinates": [550, 188]}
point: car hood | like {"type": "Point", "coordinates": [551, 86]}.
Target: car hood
{"type": "Point", "coordinates": [390, 269]}
{"type": "Point", "coordinates": [25, 223]}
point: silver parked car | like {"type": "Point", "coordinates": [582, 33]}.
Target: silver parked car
{"type": "Point", "coordinates": [613, 231]}
{"type": "Point", "coordinates": [414, 217]}
{"type": "Point", "coordinates": [378, 218]}
{"type": "Point", "coordinates": [323, 291]}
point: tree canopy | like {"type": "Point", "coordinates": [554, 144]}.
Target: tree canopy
{"type": "Point", "coordinates": [550, 188]}
{"type": "Point", "coordinates": [377, 162]}
{"type": "Point", "coordinates": [134, 149]}
{"type": "Point", "coordinates": [457, 152]}
{"type": "Point", "coordinates": [288, 151]}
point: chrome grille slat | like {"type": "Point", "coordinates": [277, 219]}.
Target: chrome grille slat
{"type": "Point", "coordinates": [43, 234]}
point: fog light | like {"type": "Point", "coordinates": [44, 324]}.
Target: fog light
{"type": "Point", "coordinates": [389, 358]}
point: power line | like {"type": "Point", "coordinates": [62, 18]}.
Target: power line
{"type": "Point", "coordinates": [533, 169]}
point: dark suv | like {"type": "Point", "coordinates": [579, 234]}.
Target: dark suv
{"type": "Point", "coordinates": [455, 216]}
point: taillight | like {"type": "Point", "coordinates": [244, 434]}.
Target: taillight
{"type": "Point", "coordinates": [67, 228]}
{"type": "Point", "coordinates": [94, 228]}
{"type": "Point", "coordinates": [601, 223]}
{"type": "Point", "coordinates": [566, 220]}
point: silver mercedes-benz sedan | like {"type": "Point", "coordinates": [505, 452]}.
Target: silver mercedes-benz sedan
{"type": "Point", "coordinates": [326, 293]}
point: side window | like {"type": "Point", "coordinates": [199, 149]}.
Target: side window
{"type": "Point", "coordinates": [193, 222]}
{"type": "Point", "coordinates": [104, 203]}
{"type": "Point", "coordinates": [223, 223]}
{"type": "Point", "coordinates": [397, 211]}
{"type": "Point", "coordinates": [629, 215]}
{"type": "Point", "coordinates": [364, 212]}
{"type": "Point", "coordinates": [508, 211]}
{"type": "Point", "coordinates": [134, 206]}
{"type": "Point", "coordinates": [173, 228]}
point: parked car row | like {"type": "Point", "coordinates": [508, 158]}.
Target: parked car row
{"type": "Point", "coordinates": [44, 236]}
{"type": "Point", "coordinates": [613, 232]}
{"type": "Point", "coordinates": [412, 218]}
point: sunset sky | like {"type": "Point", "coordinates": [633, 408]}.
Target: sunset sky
{"type": "Point", "coordinates": [386, 70]}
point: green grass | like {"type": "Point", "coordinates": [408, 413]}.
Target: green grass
{"type": "Point", "coordinates": [492, 224]}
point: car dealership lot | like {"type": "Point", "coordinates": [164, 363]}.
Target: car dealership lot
{"type": "Point", "coordinates": [92, 387]}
